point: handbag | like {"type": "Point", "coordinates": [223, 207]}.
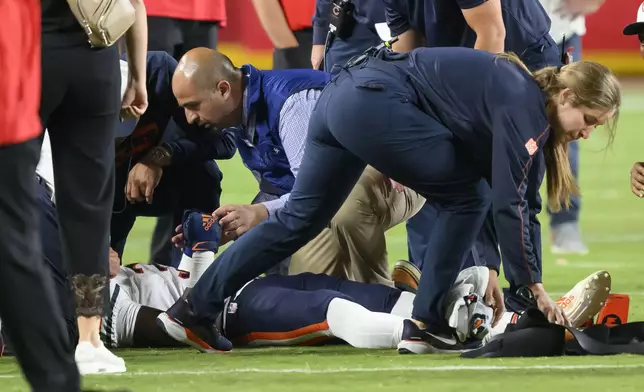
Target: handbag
{"type": "Point", "coordinates": [104, 21]}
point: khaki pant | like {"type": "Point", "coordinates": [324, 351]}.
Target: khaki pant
{"type": "Point", "coordinates": [354, 246]}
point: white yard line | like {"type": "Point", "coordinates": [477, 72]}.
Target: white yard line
{"type": "Point", "coordinates": [368, 370]}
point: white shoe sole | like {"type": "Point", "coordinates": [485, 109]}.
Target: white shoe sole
{"type": "Point", "coordinates": [87, 368]}
{"type": "Point", "coordinates": [415, 347]}
{"type": "Point", "coordinates": [556, 250]}
{"type": "Point", "coordinates": [588, 298]}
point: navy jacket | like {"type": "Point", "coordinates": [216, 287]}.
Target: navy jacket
{"type": "Point", "coordinates": [265, 94]}
{"type": "Point", "coordinates": [165, 121]}
{"type": "Point", "coordinates": [442, 23]}
{"type": "Point", "coordinates": [497, 116]}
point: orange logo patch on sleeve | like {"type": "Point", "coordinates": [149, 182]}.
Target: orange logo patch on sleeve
{"type": "Point", "coordinates": [531, 146]}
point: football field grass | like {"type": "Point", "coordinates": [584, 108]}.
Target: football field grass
{"type": "Point", "coordinates": [613, 226]}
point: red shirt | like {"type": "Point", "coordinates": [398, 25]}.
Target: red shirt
{"type": "Point", "coordinates": [299, 13]}
{"type": "Point", "coordinates": [19, 71]}
{"type": "Point", "coordinates": [201, 10]}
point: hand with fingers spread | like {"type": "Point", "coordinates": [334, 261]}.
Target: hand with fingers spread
{"type": "Point", "coordinates": [236, 219]}
{"type": "Point", "coordinates": [494, 297]}
{"type": "Point", "coordinates": [546, 305]}
{"type": "Point", "coordinates": [637, 179]}
{"type": "Point", "coordinates": [141, 182]}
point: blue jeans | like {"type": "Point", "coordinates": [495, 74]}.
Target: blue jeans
{"type": "Point", "coordinates": [571, 214]}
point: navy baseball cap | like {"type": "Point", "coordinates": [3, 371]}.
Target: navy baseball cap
{"type": "Point", "coordinates": [637, 26]}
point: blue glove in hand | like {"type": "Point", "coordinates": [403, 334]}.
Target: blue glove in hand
{"type": "Point", "coordinates": [201, 232]}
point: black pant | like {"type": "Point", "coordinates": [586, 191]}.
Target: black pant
{"type": "Point", "coordinates": [177, 36]}
{"type": "Point", "coordinates": [80, 107]}
{"type": "Point", "coordinates": [298, 57]}
{"type": "Point", "coordinates": [190, 186]}
{"type": "Point", "coordinates": [53, 256]}
{"type": "Point", "coordinates": [31, 315]}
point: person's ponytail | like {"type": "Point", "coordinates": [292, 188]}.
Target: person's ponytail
{"type": "Point", "coordinates": [594, 86]}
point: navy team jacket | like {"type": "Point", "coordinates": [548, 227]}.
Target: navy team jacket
{"type": "Point", "coordinates": [497, 115]}
{"type": "Point", "coordinates": [165, 121]}
{"type": "Point", "coordinates": [265, 94]}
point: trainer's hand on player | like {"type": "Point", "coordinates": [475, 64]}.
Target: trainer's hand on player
{"type": "Point", "coordinates": [637, 179]}
{"type": "Point", "coordinates": [115, 263]}
{"type": "Point", "coordinates": [494, 297]}
{"type": "Point", "coordinates": [179, 240]}
{"type": "Point", "coordinates": [141, 182]}
{"type": "Point", "coordinates": [546, 305]}
{"type": "Point", "coordinates": [236, 219]}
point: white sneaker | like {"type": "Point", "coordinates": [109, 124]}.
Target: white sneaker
{"type": "Point", "coordinates": [97, 360]}
{"type": "Point", "coordinates": [566, 240]}
{"type": "Point", "coordinates": [586, 299]}
{"type": "Point", "coordinates": [109, 356]}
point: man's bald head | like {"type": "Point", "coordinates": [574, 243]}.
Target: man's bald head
{"type": "Point", "coordinates": [205, 67]}
{"type": "Point", "coordinates": [209, 87]}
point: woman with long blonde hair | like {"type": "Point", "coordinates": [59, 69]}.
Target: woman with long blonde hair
{"type": "Point", "coordinates": [470, 131]}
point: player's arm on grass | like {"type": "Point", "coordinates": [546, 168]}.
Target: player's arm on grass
{"type": "Point", "coordinates": [399, 23]}
{"type": "Point", "coordinates": [486, 19]}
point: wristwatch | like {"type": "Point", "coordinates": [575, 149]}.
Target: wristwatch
{"type": "Point", "coordinates": [160, 155]}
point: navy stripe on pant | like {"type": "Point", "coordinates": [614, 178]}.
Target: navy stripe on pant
{"type": "Point", "coordinates": [366, 115]}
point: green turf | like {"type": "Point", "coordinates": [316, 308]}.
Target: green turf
{"type": "Point", "coordinates": [613, 225]}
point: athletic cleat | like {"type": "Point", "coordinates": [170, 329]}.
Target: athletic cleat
{"type": "Point", "coordinates": [97, 360]}
{"type": "Point", "coordinates": [201, 232]}
{"type": "Point", "coordinates": [586, 299]}
{"type": "Point", "coordinates": [180, 324]}
{"type": "Point", "coordinates": [420, 341]}
{"type": "Point", "coordinates": [406, 276]}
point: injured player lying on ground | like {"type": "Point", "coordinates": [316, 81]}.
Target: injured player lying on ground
{"type": "Point", "coordinates": [308, 309]}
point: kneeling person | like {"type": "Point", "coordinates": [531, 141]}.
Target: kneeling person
{"type": "Point", "coordinates": [268, 113]}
